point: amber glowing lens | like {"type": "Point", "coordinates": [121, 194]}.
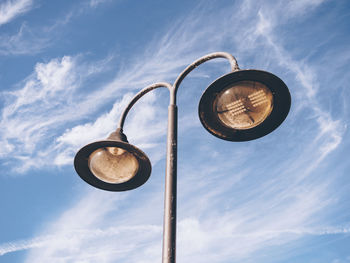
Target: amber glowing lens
{"type": "Point", "coordinates": [113, 165]}
{"type": "Point", "coordinates": [244, 105]}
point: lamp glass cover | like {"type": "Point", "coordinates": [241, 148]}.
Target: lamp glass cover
{"type": "Point", "coordinates": [113, 165]}
{"type": "Point", "coordinates": [244, 105]}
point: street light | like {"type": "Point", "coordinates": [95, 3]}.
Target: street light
{"type": "Point", "coordinates": [240, 106]}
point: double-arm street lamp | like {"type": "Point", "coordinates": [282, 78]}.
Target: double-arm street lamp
{"type": "Point", "coordinates": [242, 105]}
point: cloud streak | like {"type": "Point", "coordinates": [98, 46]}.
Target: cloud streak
{"type": "Point", "coordinates": [10, 9]}
{"type": "Point", "coordinates": [189, 230]}
{"type": "Point", "coordinates": [25, 41]}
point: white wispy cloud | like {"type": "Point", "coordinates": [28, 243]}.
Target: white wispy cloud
{"type": "Point", "coordinates": [300, 7]}
{"type": "Point", "coordinates": [94, 3]}
{"type": "Point", "coordinates": [330, 131]}
{"type": "Point", "coordinates": [82, 230]}
{"type": "Point", "coordinates": [10, 9]}
{"type": "Point", "coordinates": [42, 91]}
{"type": "Point", "coordinates": [44, 101]}
{"type": "Point", "coordinates": [25, 41]}
{"type": "Point", "coordinates": [193, 235]}
{"type": "Point", "coordinates": [31, 40]}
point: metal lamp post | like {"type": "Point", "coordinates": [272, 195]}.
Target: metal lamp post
{"type": "Point", "coordinates": [240, 106]}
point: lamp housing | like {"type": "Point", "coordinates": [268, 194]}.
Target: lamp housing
{"type": "Point", "coordinates": [113, 164]}
{"type": "Point", "coordinates": [244, 105]}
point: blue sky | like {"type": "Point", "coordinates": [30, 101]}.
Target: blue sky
{"type": "Point", "coordinates": [67, 69]}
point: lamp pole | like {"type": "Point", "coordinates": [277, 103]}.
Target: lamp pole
{"type": "Point", "coordinates": [169, 232]}
{"type": "Point", "coordinates": [242, 105]}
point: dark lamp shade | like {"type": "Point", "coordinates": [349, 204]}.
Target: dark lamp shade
{"type": "Point", "coordinates": [244, 105]}
{"type": "Point", "coordinates": [112, 165]}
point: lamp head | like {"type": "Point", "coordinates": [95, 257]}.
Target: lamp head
{"type": "Point", "coordinates": [113, 164]}
{"type": "Point", "coordinates": [244, 105]}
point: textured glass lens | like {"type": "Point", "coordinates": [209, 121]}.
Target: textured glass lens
{"type": "Point", "coordinates": [244, 105]}
{"type": "Point", "coordinates": [113, 165]}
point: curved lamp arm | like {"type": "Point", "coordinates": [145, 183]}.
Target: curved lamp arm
{"type": "Point", "coordinates": [186, 71]}
{"type": "Point", "coordinates": [138, 96]}
{"type": "Point", "coordinates": [173, 88]}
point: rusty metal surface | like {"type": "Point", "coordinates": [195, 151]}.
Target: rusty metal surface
{"type": "Point", "coordinates": [195, 64]}
{"type": "Point", "coordinates": [170, 195]}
